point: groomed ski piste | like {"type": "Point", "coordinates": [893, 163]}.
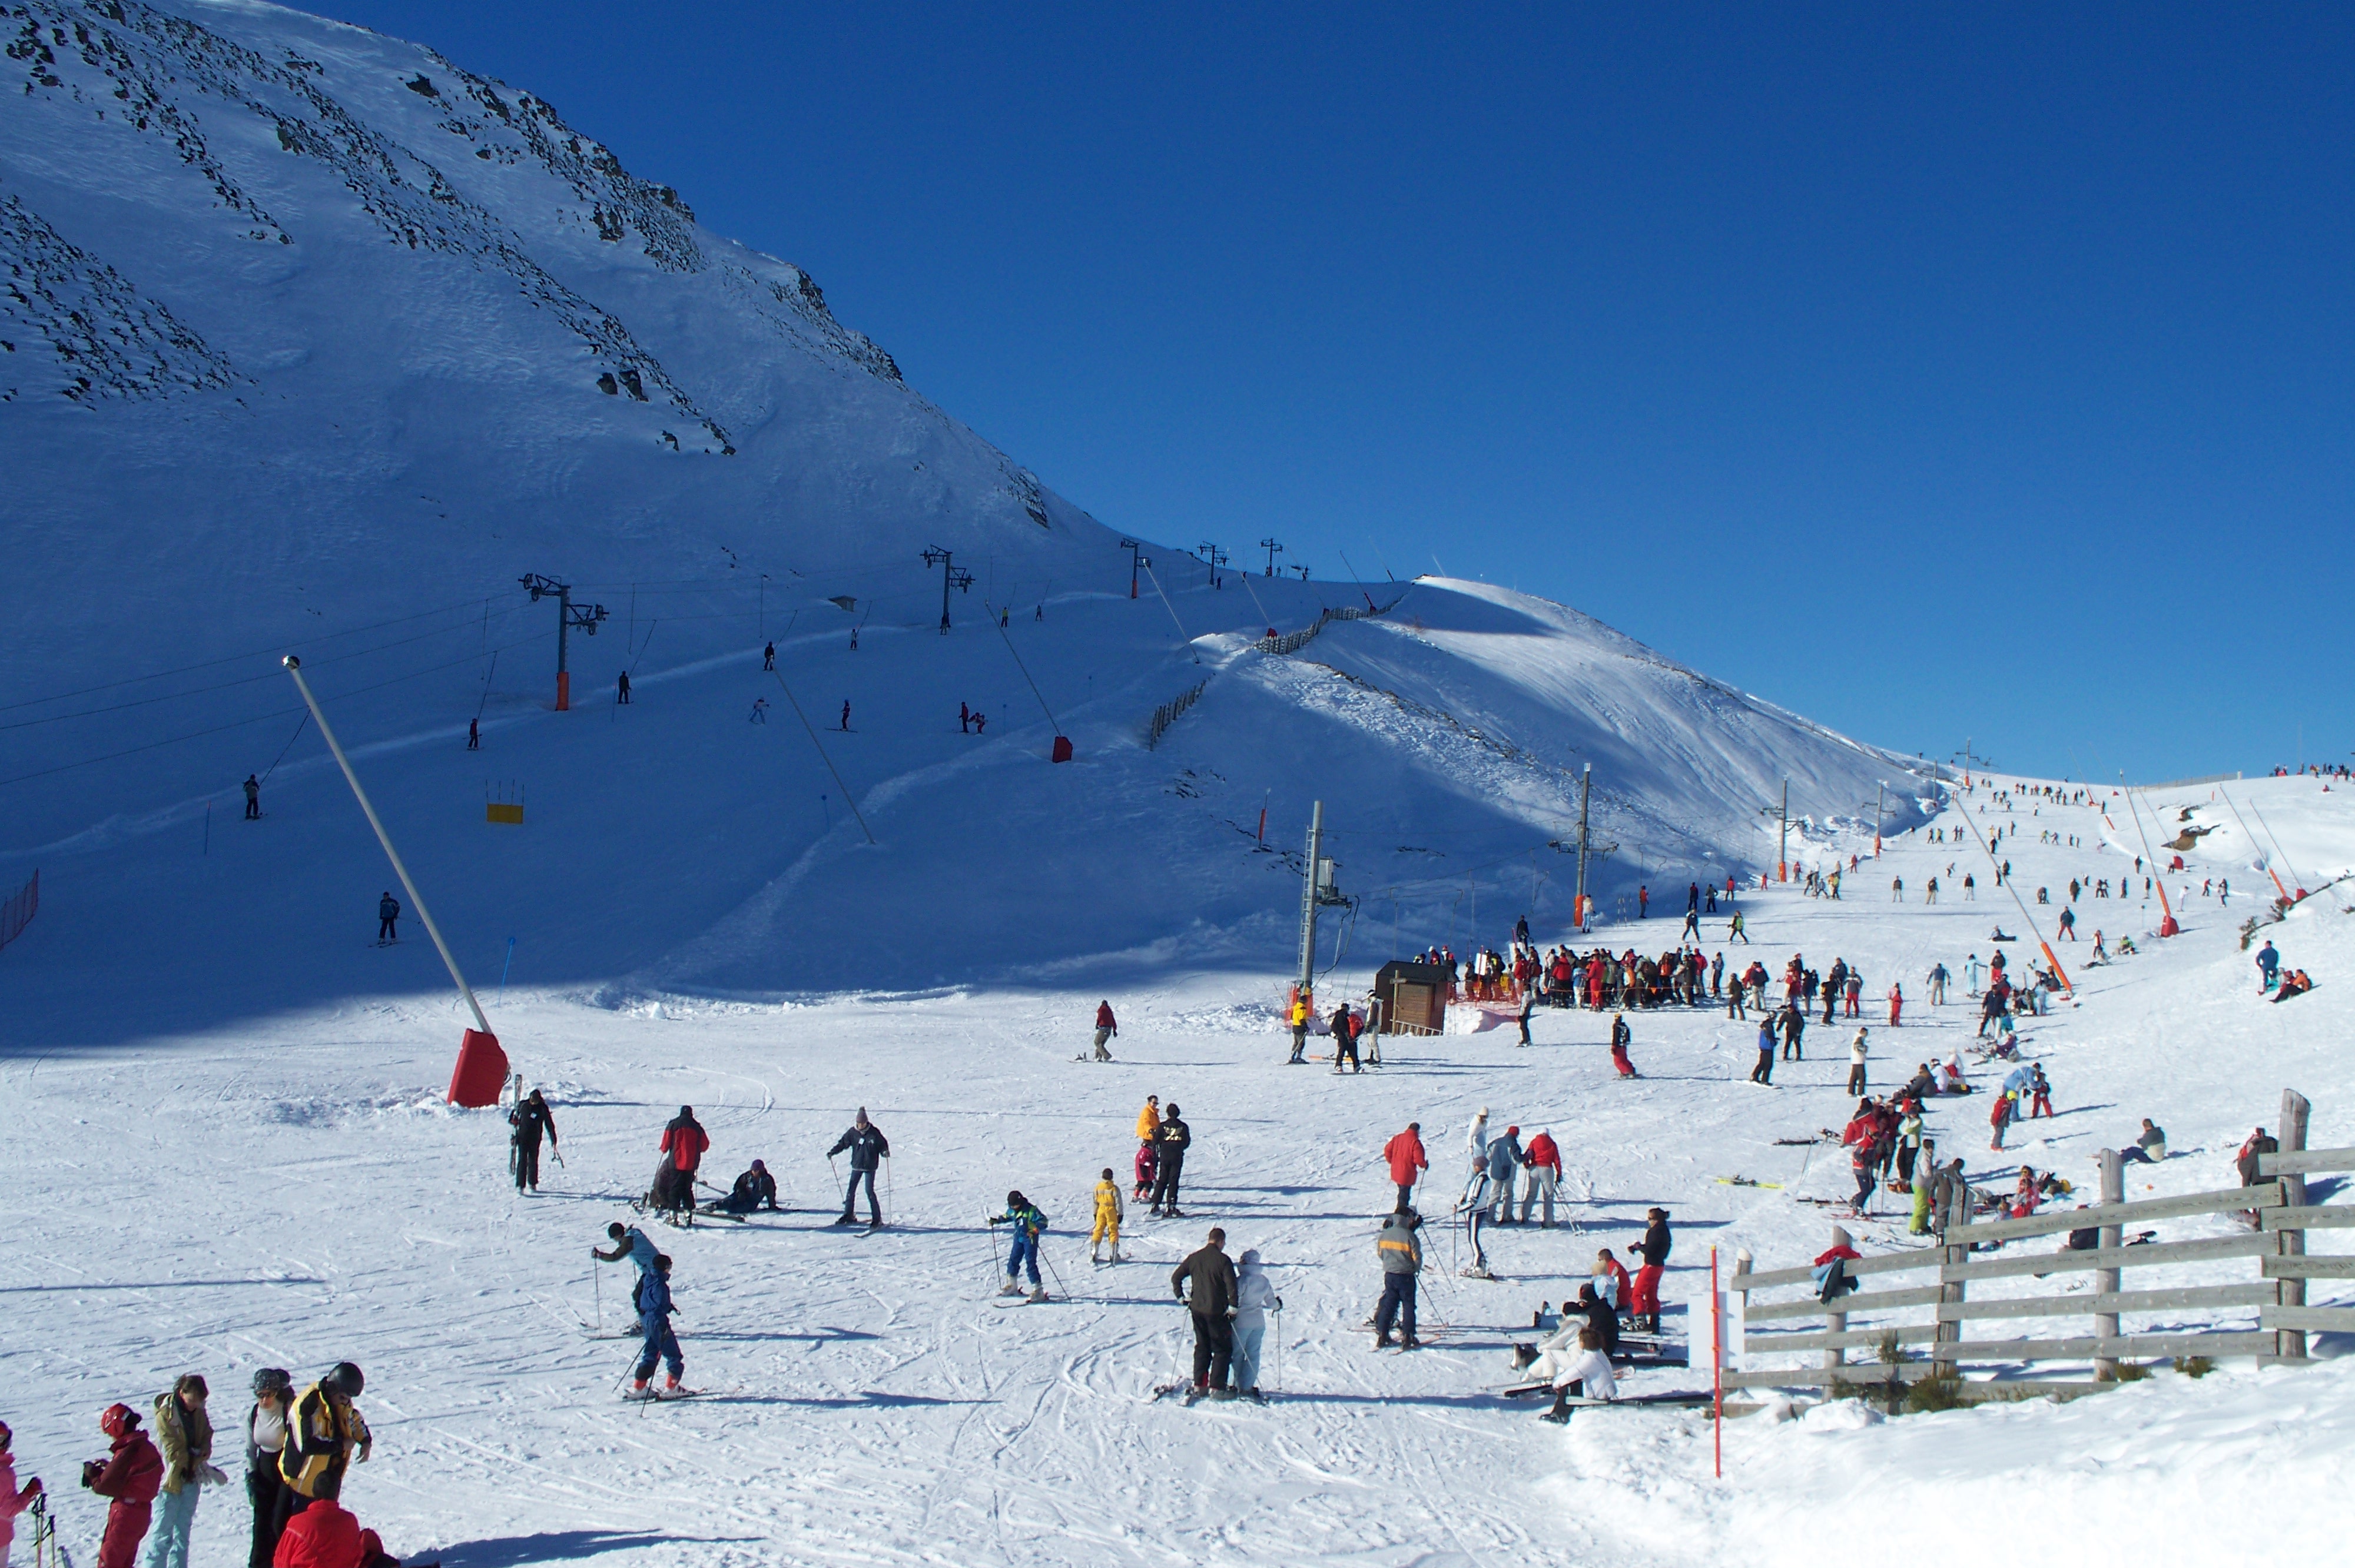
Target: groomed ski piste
{"type": "Point", "coordinates": [293, 1190]}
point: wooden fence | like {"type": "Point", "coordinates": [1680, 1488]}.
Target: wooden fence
{"type": "Point", "coordinates": [1166, 714]}
{"type": "Point", "coordinates": [1292, 642]}
{"type": "Point", "coordinates": [1949, 1339]}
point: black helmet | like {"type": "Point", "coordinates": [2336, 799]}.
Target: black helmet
{"type": "Point", "coordinates": [272, 1381]}
{"type": "Point", "coordinates": [345, 1380]}
{"type": "Point", "coordinates": [1013, 1198]}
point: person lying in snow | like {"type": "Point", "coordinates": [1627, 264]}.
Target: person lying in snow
{"type": "Point", "coordinates": [754, 1190]}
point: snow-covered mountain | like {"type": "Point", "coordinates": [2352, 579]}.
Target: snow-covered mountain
{"type": "Point", "coordinates": [316, 341]}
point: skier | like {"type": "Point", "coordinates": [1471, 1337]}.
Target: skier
{"type": "Point", "coordinates": [1476, 1143]}
{"type": "Point", "coordinates": [1345, 1038]}
{"type": "Point", "coordinates": [1299, 1022]}
{"type": "Point", "coordinates": [2068, 924]}
{"type": "Point", "coordinates": [1795, 1029]}
{"type": "Point", "coordinates": [1406, 1159]}
{"type": "Point", "coordinates": [1108, 1217]}
{"type": "Point", "coordinates": [868, 1147]}
{"type": "Point", "coordinates": [1254, 1297]}
{"type": "Point", "coordinates": [1693, 925]}
{"type": "Point", "coordinates": [652, 1299]}
{"type": "Point", "coordinates": [759, 714]}
{"type": "Point", "coordinates": [1170, 1140]}
{"type": "Point", "coordinates": [1763, 1073]}
{"type": "Point", "coordinates": [474, 743]}
{"type": "Point", "coordinates": [1543, 1161]}
{"type": "Point", "coordinates": [1999, 1117]}
{"type": "Point", "coordinates": [127, 1477]}
{"type": "Point", "coordinates": [1611, 1283]}
{"type": "Point", "coordinates": [184, 1433]}
{"type": "Point", "coordinates": [628, 1241]}
{"type": "Point", "coordinates": [1106, 1028]}
{"type": "Point", "coordinates": [1856, 1056]}
{"type": "Point", "coordinates": [1897, 890]}
{"type": "Point", "coordinates": [1028, 1224]}
{"type": "Point", "coordinates": [387, 918]}
{"type": "Point", "coordinates": [1896, 1004]}
{"type": "Point", "coordinates": [622, 690]}
{"type": "Point", "coordinates": [531, 1120]}
{"type": "Point", "coordinates": [2039, 1093]}
{"type": "Point", "coordinates": [1504, 1170]}
{"type": "Point", "coordinates": [1735, 931]}
{"type": "Point", "coordinates": [1644, 1308]}
{"type": "Point", "coordinates": [325, 1436]}
{"type": "Point", "coordinates": [1529, 1004]}
{"type": "Point", "coordinates": [769, 657]}
{"type": "Point", "coordinates": [846, 716]}
{"type": "Point", "coordinates": [1938, 977]}
{"type": "Point", "coordinates": [683, 1141]}
{"type": "Point", "coordinates": [1401, 1256]}
{"type": "Point", "coordinates": [754, 1190]}
{"type": "Point", "coordinates": [1212, 1304]}
{"type": "Point", "coordinates": [1621, 1038]}
{"type": "Point", "coordinates": [253, 798]}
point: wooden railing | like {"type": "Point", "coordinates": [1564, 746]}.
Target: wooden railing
{"type": "Point", "coordinates": [2278, 1292]}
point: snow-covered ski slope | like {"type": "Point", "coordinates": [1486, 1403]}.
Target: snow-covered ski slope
{"type": "Point", "coordinates": [320, 343]}
{"type": "Point", "coordinates": [291, 1192]}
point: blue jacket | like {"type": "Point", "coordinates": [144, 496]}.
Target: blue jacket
{"type": "Point", "coordinates": [652, 1299]}
{"type": "Point", "coordinates": [1027, 1219]}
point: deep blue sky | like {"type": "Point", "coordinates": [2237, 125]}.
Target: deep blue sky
{"type": "Point", "coordinates": [1935, 371]}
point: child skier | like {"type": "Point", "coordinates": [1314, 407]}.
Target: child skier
{"type": "Point", "coordinates": [1028, 1225]}
{"type": "Point", "coordinates": [1108, 1217]}
{"type": "Point", "coordinates": [652, 1299]}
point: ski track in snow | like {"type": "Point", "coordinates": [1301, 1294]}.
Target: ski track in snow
{"type": "Point", "coordinates": [291, 1192]}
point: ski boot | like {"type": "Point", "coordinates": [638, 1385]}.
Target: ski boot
{"type": "Point", "coordinates": [1560, 1414]}
{"type": "Point", "coordinates": [1115, 1255]}
{"type": "Point", "coordinates": [1382, 1341]}
{"type": "Point", "coordinates": [670, 1384]}
{"type": "Point", "coordinates": [1410, 1343]}
{"type": "Point", "coordinates": [1011, 1286]}
{"type": "Point", "coordinates": [1038, 1293]}
{"type": "Point", "coordinates": [639, 1390]}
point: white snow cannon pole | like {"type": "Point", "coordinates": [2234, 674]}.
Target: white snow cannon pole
{"type": "Point", "coordinates": [480, 1060]}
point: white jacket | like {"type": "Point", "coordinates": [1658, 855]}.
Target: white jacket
{"type": "Point", "coordinates": [1253, 1296]}
{"type": "Point", "coordinates": [1855, 1049]}
{"type": "Point", "coordinates": [1592, 1369]}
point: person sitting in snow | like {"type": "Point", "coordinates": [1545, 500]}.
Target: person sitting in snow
{"type": "Point", "coordinates": [754, 1190]}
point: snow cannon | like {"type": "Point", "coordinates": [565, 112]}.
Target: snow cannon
{"type": "Point", "coordinates": [1062, 752]}
{"type": "Point", "coordinates": [481, 1072]}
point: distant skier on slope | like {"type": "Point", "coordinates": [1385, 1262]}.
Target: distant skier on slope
{"type": "Point", "coordinates": [1109, 1215]}
{"type": "Point", "coordinates": [253, 798]}
{"type": "Point", "coordinates": [769, 657]}
{"type": "Point", "coordinates": [531, 1119]}
{"type": "Point", "coordinates": [1107, 1029]}
{"type": "Point", "coordinates": [868, 1148]}
{"type": "Point", "coordinates": [387, 918]}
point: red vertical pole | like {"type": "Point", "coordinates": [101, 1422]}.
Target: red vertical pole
{"type": "Point", "coordinates": [563, 692]}
{"type": "Point", "coordinates": [1716, 1365]}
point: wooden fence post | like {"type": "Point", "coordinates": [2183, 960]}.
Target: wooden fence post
{"type": "Point", "coordinates": [2292, 1345]}
{"type": "Point", "coordinates": [1957, 1253]}
{"type": "Point", "coordinates": [2106, 1280]}
{"type": "Point", "coordinates": [1836, 1323]}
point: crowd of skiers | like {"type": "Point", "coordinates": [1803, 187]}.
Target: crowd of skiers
{"type": "Point", "coordinates": [298, 1445]}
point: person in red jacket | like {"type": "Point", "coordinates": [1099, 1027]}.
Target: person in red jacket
{"type": "Point", "coordinates": [1543, 1159]}
{"type": "Point", "coordinates": [1407, 1161]}
{"type": "Point", "coordinates": [129, 1477]}
{"type": "Point", "coordinates": [324, 1535]}
{"type": "Point", "coordinates": [684, 1142]}
{"type": "Point", "coordinates": [1106, 1027]}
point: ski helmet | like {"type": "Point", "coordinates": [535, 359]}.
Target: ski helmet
{"type": "Point", "coordinates": [272, 1381]}
{"type": "Point", "coordinates": [116, 1420]}
{"type": "Point", "coordinates": [345, 1380]}
{"type": "Point", "coordinates": [1012, 1199]}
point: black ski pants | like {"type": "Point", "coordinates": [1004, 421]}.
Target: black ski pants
{"type": "Point", "coordinates": [273, 1504]}
{"type": "Point", "coordinates": [1397, 1303]}
{"type": "Point", "coordinates": [1765, 1072]}
{"type": "Point", "coordinates": [252, 806]}
{"type": "Point", "coordinates": [1214, 1349]}
{"type": "Point", "coordinates": [1165, 1180]}
{"type": "Point", "coordinates": [386, 929]}
{"type": "Point", "coordinates": [527, 1164]}
{"type": "Point", "coordinates": [850, 1196]}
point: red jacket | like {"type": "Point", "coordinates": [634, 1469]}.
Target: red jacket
{"type": "Point", "coordinates": [684, 1145]}
{"type": "Point", "coordinates": [1104, 1016]}
{"type": "Point", "coordinates": [133, 1473]}
{"type": "Point", "coordinates": [1406, 1157]}
{"type": "Point", "coordinates": [324, 1535]}
{"type": "Point", "coordinates": [1543, 1151]}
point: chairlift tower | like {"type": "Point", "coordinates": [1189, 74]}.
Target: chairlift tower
{"type": "Point", "coordinates": [1136, 560]}
{"type": "Point", "coordinates": [567, 616]}
{"type": "Point", "coordinates": [1316, 890]}
{"type": "Point", "coordinates": [1273, 550]}
{"type": "Point", "coordinates": [952, 576]}
{"type": "Point", "coordinates": [1212, 557]}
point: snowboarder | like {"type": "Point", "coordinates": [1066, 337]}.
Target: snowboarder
{"type": "Point", "coordinates": [769, 657]}
{"type": "Point", "coordinates": [1643, 1305]}
{"type": "Point", "coordinates": [128, 1478]}
{"type": "Point", "coordinates": [1404, 1155]}
{"type": "Point", "coordinates": [622, 690]}
{"type": "Point", "coordinates": [1856, 1057]}
{"type": "Point", "coordinates": [387, 918]}
{"type": "Point", "coordinates": [1028, 1224]}
{"type": "Point", "coordinates": [1621, 1038]}
{"type": "Point", "coordinates": [1106, 1028]}
{"type": "Point", "coordinates": [1255, 1297]}
{"type": "Point", "coordinates": [684, 1142]}
{"type": "Point", "coordinates": [1170, 1140]}
{"type": "Point", "coordinates": [652, 1300]}
{"type": "Point", "coordinates": [184, 1433]}
{"type": "Point", "coordinates": [868, 1147]}
{"type": "Point", "coordinates": [531, 1118]}
{"type": "Point", "coordinates": [1401, 1256]}
{"type": "Point", "coordinates": [1109, 1215]}
{"type": "Point", "coordinates": [253, 798]}
{"type": "Point", "coordinates": [755, 1189]}
{"type": "Point", "coordinates": [1543, 1161]}
{"type": "Point", "coordinates": [325, 1436]}
{"type": "Point", "coordinates": [1212, 1303]}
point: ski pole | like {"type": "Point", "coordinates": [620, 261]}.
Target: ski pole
{"type": "Point", "coordinates": [1058, 1274]}
{"type": "Point", "coordinates": [837, 1181]}
{"type": "Point", "coordinates": [1278, 1379]}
